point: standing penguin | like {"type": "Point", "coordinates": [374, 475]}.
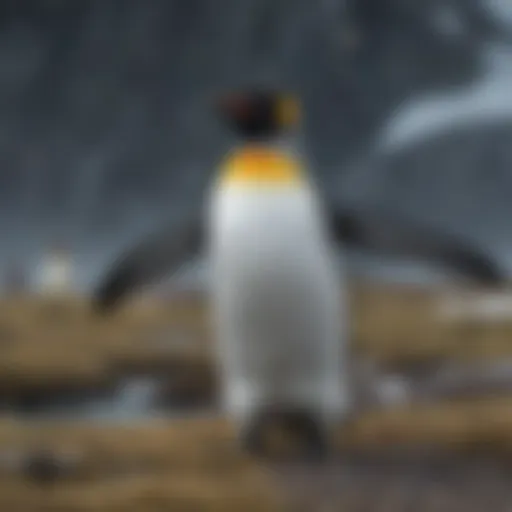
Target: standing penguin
{"type": "Point", "coordinates": [277, 292]}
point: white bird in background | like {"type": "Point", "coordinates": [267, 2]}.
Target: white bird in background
{"type": "Point", "coordinates": [55, 273]}
{"type": "Point", "coordinates": [278, 294]}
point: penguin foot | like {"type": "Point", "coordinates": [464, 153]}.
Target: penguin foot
{"type": "Point", "coordinates": [291, 434]}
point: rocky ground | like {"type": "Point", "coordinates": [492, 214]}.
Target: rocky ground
{"type": "Point", "coordinates": [429, 458]}
{"type": "Point", "coordinates": [428, 455]}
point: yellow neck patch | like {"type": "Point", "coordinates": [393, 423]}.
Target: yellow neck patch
{"type": "Point", "coordinates": [260, 166]}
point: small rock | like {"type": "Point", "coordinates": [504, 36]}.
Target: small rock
{"type": "Point", "coordinates": [45, 466]}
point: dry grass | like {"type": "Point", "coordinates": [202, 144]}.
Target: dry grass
{"type": "Point", "coordinates": [195, 465]}
{"type": "Point", "coordinates": [189, 465]}
{"type": "Point", "coordinates": [49, 344]}
{"type": "Point", "coordinates": [151, 493]}
{"type": "Point", "coordinates": [208, 444]}
{"type": "Point", "coordinates": [181, 446]}
{"type": "Point", "coordinates": [183, 465]}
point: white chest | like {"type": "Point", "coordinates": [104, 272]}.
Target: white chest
{"type": "Point", "coordinates": [274, 230]}
{"type": "Point", "coordinates": [276, 295]}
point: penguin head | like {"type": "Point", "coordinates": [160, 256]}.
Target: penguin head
{"type": "Point", "coordinates": [259, 114]}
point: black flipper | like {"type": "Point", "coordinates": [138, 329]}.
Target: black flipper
{"type": "Point", "coordinates": [388, 234]}
{"type": "Point", "coordinates": [161, 253]}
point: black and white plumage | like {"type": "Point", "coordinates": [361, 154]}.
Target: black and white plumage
{"type": "Point", "coordinates": [278, 293]}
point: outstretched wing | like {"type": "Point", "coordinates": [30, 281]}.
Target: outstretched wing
{"type": "Point", "coordinates": [388, 234]}
{"type": "Point", "coordinates": [161, 253]}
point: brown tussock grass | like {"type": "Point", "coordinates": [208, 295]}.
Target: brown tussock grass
{"type": "Point", "coordinates": [195, 464]}
{"type": "Point", "coordinates": [55, 343]}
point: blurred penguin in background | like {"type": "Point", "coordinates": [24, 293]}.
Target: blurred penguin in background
{"type": "Point", "coordinates": [278, 287]}
{"type": "Point", "coordinates": [55, 272]}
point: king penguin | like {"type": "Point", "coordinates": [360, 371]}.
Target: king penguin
{"type": "Point", "coordinates": [278, 302]}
